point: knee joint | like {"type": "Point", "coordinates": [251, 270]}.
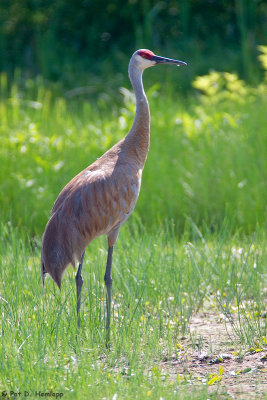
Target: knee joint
{"type": "Point", "coordinates": [79, 279]}
{"type": "Point", "coordinates": [108, 280]}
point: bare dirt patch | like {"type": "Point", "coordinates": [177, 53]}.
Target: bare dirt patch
{"type": "Point", "coordinates": [211, 356]}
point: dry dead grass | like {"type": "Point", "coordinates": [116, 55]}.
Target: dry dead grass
{"type": "Point", "coordinates": [210, 349]}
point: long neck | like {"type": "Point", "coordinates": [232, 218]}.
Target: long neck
{"type": "Point", "coordinates": [139, 135]}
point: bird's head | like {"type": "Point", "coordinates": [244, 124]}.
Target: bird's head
{"type": "Point", "coordinates": [144, 58]}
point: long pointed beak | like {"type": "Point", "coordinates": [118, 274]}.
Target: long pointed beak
{"type": "Point", "coordinates": [164, 60]}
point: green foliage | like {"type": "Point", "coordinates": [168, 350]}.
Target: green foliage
{"type": "Point", "coordinates": [207, 159]}
{"type": "Point", "coordinates": [63, 40]}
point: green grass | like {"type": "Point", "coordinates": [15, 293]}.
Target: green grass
{"type": "Point", "coordinates": [208, 155]}
{"type": "Point", "coordinates": [159, 284]}
{"type": "Point", "coordinates": [195, 243]}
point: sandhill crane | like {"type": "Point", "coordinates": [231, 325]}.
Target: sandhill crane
{"type": "Point", "coordinates": [100, 198]}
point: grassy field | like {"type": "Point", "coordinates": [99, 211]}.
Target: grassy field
{"type": "Point", "coordinates": [208, 156]}
{"type": "Point", "coordinates": [189, 292]}
{"type": "Point", "coordinates": [160, 284]}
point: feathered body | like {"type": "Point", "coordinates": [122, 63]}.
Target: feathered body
{"type": "Point", "coordinates": [96, 202]}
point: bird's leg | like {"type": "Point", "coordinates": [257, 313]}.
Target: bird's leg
{"type": "Point", "coordinates": [108, 283]}
{"type": "Point", "coordinates": [79, 283]}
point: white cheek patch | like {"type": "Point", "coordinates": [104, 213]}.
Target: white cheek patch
{"type": "Point", "coordinates": [145, 62]}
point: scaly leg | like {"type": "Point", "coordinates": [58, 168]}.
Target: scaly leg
{"type": "Point", "coordinates": [108, 283]}
{"type": "Point", "coordinates": [79, 283]}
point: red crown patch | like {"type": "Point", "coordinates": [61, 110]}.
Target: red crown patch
{"type": "Point", "coordinates": [146, 54]}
